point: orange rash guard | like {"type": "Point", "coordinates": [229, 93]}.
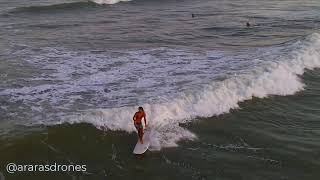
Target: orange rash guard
{"type": "Point", "coordinates": [138, 117]}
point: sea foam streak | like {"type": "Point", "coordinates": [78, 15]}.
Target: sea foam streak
{"type": "Point", "coordinates": [275, 78]}
{"type": "Point", "coordinates": [109, 1]}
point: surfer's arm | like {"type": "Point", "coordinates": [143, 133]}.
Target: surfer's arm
{"type": "Point", "coordinates": [145, 119]}
{"type": "Point", "coordinates": [134, 117]}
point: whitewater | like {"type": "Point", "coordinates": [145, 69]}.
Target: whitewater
{"type": "Point", "coordinates": [280, 76]}
{"type": "Point", "coordinates": [175, 86]}
{"type": "Point", "coordinates": [109, 1]}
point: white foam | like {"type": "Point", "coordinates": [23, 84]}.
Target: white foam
{"type": "Point", "coordinates": [273, 78]}
{"type": "Point", "coordinates": [174, 86]}
{"type": "Point", "coordinates": [109, 1]}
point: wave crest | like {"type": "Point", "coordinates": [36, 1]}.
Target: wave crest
{"type": "Point", "coordinates": [109, 1]}
{"type": "Point", "coordinates": [275, 78]}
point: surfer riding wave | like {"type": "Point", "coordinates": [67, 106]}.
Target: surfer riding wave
{"type": "Point", "coordinates": [137, 119]}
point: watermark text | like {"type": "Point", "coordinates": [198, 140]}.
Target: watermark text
{"type": "Point", "coordinates": [14, 168]}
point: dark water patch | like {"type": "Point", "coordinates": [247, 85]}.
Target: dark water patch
{"type": "Point", "coordinates": [294, 26]}
{"type": "Point", "coordinates": [54, 26]}
{"type": "Point", "coordinates": [219, 28]}
{"type": "Point", "coordinates": [238, 32]}
{"type": "Point", "coordinates": [65, 144]}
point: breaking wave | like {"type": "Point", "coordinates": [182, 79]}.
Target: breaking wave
{"type": "Point", "coordinates": [275, 77]}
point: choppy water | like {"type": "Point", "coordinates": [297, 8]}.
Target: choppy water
{"type": "Point", "coordinates": [225, 101]}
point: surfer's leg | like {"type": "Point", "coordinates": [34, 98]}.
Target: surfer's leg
{"type": "Point", "coordinates": [140, 132]}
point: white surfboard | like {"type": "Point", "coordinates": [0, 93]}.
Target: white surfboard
{"type": "Point", "coordinates": [142, 148]}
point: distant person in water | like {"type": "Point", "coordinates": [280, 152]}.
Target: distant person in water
{"type": "Point", "coordinates": [192, 15]}
{"type": "Point", "coordinates": [248, 24]}
{"type": "Point", "coordinates": [137, 120]}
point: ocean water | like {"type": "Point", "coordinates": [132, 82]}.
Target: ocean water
{"type": "Point", "coordinates": [224, 101]}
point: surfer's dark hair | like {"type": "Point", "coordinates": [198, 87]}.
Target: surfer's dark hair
{"type": "Point", "coordinates": [140, 108]}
